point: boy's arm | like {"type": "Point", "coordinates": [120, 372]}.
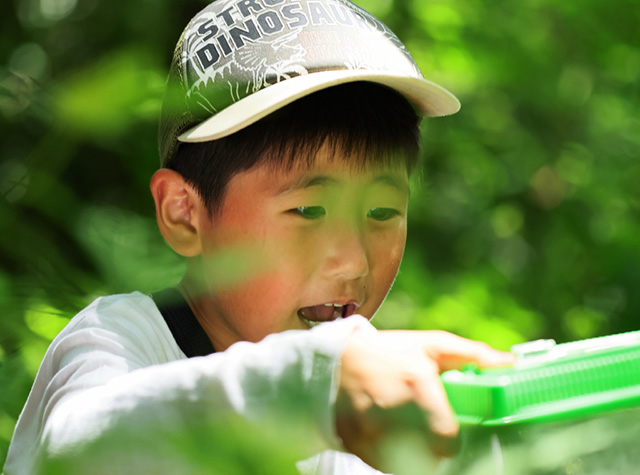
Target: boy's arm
{"type": "Point", "coordinates": [100, 386]}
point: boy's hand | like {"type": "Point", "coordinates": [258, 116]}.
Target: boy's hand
{"type": "Point", "coordinates": [390, 381]}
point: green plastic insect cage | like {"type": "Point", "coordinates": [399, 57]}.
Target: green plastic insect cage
{"type": "Point", "coordinates": [550, 382]}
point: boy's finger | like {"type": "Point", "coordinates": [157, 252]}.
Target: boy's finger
{"type": "Point", "coordinates": [431, 397]}
{"type": "Point", "coordinates": [450, 351]}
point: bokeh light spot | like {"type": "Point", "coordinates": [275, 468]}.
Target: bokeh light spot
{"type": "Point", "coordinates": [30, 60]}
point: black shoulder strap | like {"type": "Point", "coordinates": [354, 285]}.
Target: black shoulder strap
{"type": "Point", "coordinates": [184, 326]}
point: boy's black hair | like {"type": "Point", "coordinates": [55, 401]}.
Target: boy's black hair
{"type": "Point", "coordinates": [369, 123]}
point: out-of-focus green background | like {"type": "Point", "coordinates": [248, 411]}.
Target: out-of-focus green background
{"type": "Point", "coordinates": [524, 223]}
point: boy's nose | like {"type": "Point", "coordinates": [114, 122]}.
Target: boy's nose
{"type": "Point", "coordinates": [346, 254]}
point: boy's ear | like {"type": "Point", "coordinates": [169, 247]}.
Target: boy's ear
{"type": "Point", "coordinates": [178, 211]}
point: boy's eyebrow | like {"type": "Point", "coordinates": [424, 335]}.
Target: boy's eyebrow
{"type": "Point", "coordinates": [306, 181]}
{"type": "Point", "coordinates": [322, 180]}
{"type": "Point", "coordinates": [393, 181]}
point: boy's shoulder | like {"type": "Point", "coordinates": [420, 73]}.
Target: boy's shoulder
{"type": "Point", "coordinates": [111, 311]}
{"type": "Point", "coordinates": [131, 320]}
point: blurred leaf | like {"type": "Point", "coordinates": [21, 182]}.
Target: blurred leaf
{"type": "Point", "coordinates": [45, 321]}
{"type": "Point", "coordinates": [109, 96]}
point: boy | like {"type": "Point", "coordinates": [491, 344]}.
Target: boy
{"type": "Point", "coordinates": [288, 133]}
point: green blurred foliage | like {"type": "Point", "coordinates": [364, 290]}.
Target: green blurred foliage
{"type": "Point", "coordinates": [600, 445]}
{"type": "Point", "coordinates": [524, 221]}
{"type": "Point", "coordinates": [190, 446]}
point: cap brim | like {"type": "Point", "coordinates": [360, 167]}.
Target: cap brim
{"type": "Point", "coordinates": [427, 98]}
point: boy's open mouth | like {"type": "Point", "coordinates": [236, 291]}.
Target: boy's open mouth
{"type": "Point", "coordinates": [327, 312]}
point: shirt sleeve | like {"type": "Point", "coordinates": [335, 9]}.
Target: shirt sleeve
{"type": "Point", "coordinates": [114, 390]}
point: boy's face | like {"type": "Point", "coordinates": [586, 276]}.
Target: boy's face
{"type": "Point", "coordinates": [320, 242]}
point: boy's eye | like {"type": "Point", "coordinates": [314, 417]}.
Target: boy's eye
{"type": "Point", "coordinates": [382, 214]}
{"type": "Point", "coordinates": [310, 212]}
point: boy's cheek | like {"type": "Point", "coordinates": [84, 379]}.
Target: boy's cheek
{"type": "Point", "coordinates": [386, 257]}
{"type": "Point", "coordinates": [388, 245]}
{"type": "Point", "coordinates": [264, 305]}
{"type": "Point", "coordinates": [229, 266]}
{"type": "Point", "coordinates": [269, 290]}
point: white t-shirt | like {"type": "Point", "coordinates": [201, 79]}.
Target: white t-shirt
{"type": "Point", "coordinates": [116, 394]}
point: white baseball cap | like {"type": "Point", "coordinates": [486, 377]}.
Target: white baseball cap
{"type": "Point", "coordinates": [240, 60]}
